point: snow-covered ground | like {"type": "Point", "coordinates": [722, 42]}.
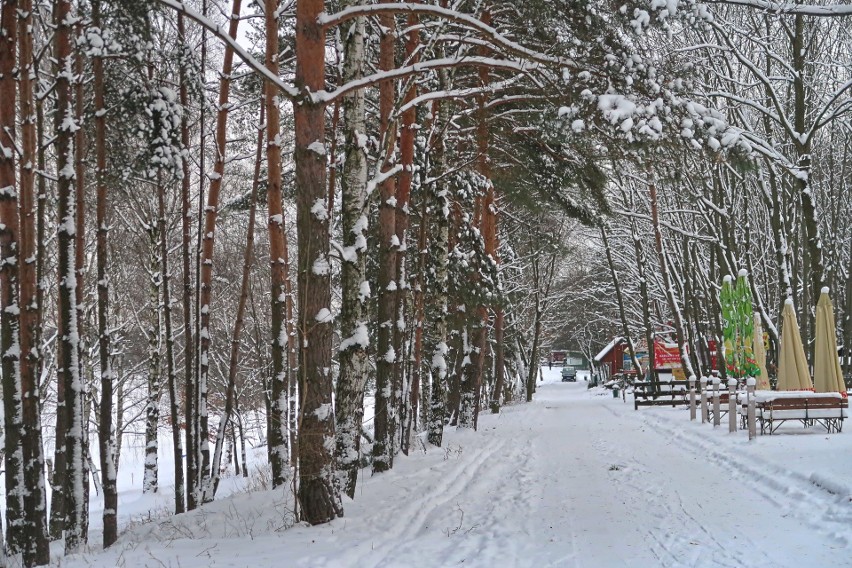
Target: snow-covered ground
{"type": "Point", "coordinates": [576, 478]}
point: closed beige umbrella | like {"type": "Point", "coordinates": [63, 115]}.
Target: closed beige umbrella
{"type": "Point", "coordinates": [827, 374]}
{"type": "Point", "coordinates": [792, 364]}
{"type": "Point", "coordinates": [760, 354]}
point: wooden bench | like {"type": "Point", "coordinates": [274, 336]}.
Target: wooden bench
{"type": "Point", "coordinates": [828, 411]}
{"type": "Point", "coordinates": [660, 393]}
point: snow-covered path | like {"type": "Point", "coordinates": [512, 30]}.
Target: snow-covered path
{"type": "Point", "coordinates": [574, 479]}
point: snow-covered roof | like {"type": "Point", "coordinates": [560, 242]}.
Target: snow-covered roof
{"type": "Point", "coordinates": [615, 341]}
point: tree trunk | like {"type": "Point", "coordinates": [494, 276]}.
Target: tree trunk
{"type": "Point", "coordinates": [189, 344]}
{"type": "Point", "coordinates": [385, 406]}
{"type": "Point", "coordinates": [106, 436]}
{"type": "Point", "coordinates": [317, 495]}
{"type": "Point", "coordinates": [813, 239]}
{"type": "Point", "coordinates": [68, 358]}
{"type": "Point", "coordinates": [355, 291]}
{"type": "Point", "coordinates": [36, 548]}
{"type": "Point", "coordinates": [278, 255]}
{"type": "Point", "coordinates": [9, 245]}
{"type": "Point", "coordinates": [234, 359]}
{"type": "Point", "coordinates": [620, 300]}
{"type": "Point", "coordinates": [402, 380]}
{"type": "Point", "coordinates": [441, 249]}
{"type": "Point", "coordinates": [171, 372]}
{"type": "Point", "coordinates": [211, 213]}
{"type": "Point", "coordinates": [488, 228]}
{"type": "Point", "coordinates": [669, 289]}
{"type": "Point", "coordinates": [154, 333]}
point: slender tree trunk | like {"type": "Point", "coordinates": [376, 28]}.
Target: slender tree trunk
{"type": "Point", "coordinates": [9, 316]}
{"type": "Point", "coordinates": [813, 240]}
{"type": "Point", "coordinates": [211, 213]}
{"type": "Point", "coordinates": [620, 300]}
{"type": "Point", "coordinates": [154, 333]}
{"type": "Point", "coordinates": [488, 228]}
{"type": "Point", "coordinates": [36, 548]}
{"type": "Point", "coordinates": [318, 494]}
{"type": "Point", "coordinates": [441, 249]}
{"type": "Point", "coordinates": [190, 422]}
{"type": "Point", "coordinates": [68, 358]}
{"type": "Point", "coordinates": [242, 438]}
{"type": "Point", "coordinates": [385, 406]}
{"type": "Point", "coordinates": [169, 354]}
{"type": "Point", "coordinates": [403, 385]}
{"type": "Point", "coordinates": [669, 289]}
{"type": "Point", "coordinates": [234, 359]}
{"type": "Point", "coordinates": [106, 435]}
{"type": "Point", "coordinates": [80, 269]}
{"type": "Point", "coordinates": [278, 255]}
{"type": "Point", "coordinates": [355, 288]}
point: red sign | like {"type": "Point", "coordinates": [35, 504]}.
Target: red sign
{"type": "Point", "coordinates": [711, 347]}
{"type": "Point", "coordinates": [666, 355]}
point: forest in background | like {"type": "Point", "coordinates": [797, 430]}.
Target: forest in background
{"type": "Point", "coordinates": [443, 188]}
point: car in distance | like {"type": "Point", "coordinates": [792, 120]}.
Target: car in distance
{"type": "Point", "coordinates": [569, 375]}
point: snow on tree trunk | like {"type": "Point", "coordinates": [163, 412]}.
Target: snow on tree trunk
{"type": "Point", "coordinates": [154, 332]}
{"type": "Point", "coordinates": [440, 204]}
{"type": "Point", "coordinates": [234, 359]}
{"type": "Point", "coordinates": [402, 379]}
{"type": "Point", "coordinates": [36, 548]}
{"type": "Point", "coordinates": [622, 314]}
{"type": "Point", "coordinates": [68, 359]}
{"type": "Point", "coordinates": [810, 216]}
{"type": "Point", "coordinates": [386, 355]}
{"type": "Point", "coordinates": [10, 349]}
{"type": "Point", "coordinates": [643, 291]}
{"type": "Point", "coordinates": [190, 377]}
{"type": "Point", "coordinates": [318, 493]}
{"type": "Point", "coordinates": [669, 291]}
{"type": "Point", "coordinates": [355, 287]}
{"type": "Point", "coordinates": [279, 265]}
{"type": "Point", "coordinates": [106, 435]}
{"type": "Point", "coordinates": [169, 354]}
{"type": "Point", "coordinates": [211, 212]}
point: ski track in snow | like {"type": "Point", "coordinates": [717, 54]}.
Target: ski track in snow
{"type": "Point", "coordinates": [575, 479]}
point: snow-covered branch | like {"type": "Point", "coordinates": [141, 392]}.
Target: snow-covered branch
{"type": "Point", "coordinates": [828, 11]}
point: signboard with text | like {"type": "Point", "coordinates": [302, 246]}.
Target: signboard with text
{"type": "Point", "coordinates": [666, 355]}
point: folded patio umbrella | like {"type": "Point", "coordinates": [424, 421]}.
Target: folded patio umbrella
{"type": "Point", "coordinates": [793, 371]}
{"type": "Point", "coordinates": [760, 354]}
{"type": "Point", "coordinates": [827, 374]}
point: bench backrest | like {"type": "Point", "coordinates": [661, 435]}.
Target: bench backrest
{"type": "Point", "coordinates": [804, 402]}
